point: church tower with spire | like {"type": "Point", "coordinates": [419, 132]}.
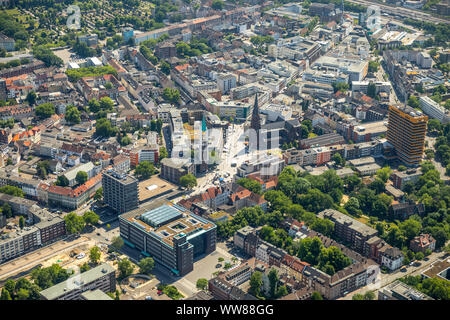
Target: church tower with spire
{"type": "Point", "coordinates": [255, 123]}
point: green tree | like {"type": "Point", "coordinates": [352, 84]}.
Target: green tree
{"type": "Point", "coordinates": [5, 295]}
{"type": "Point", "coordinates": [10, 286]}
{"type": "Point", "coordinates": [62, 181]}
{"type": "Point", "coordinates": [332, 259]}
{"type": "Point", "coordinates": [372, 90]}
{"type": "Point", "coordinates": [395, 236]}
{"type": "Point", "coordinates": [188, 181]}
{"type": "Point", "coordinates": [340, 86]}
{"type": "Point", "coordinates": [106, 104]}
{"type": "Point", "coordinates": [352, 206]}
{"type": "Point", "coordinates": [12, 191]}
{"type": "Point", "coordinates": [384, 173]}
{"type": "Point", "coordinates": [98, 194]}
{"type": "Point", "coordinates": [94, 255]}
{"type": "Point", "coordinates": [369, 295]}
{"type": "Point", "coordinates": [46, 55]}
{"type": "Point", "coordinates": [256, 283]}
{"type": "Point", "coordinates": [323, 226]}
{"type": "Point", "coordinates": [103, 128]}
{"type": "Point", "coordinates": [316, 296]}
{"type": "Point", "coordinates": [380, 228]}
{"type": "Point", "coordinates": [90, 218]}
{"type": "Point", "coordinates": [413, 102]}
{"type": "Point", "coordinates": [126, 268]}
{"type": "Point", "coordinates": [6, 210]}
{"type": "Point", "coordinates": [273, 281]}
{"type": "Point", "coordinates": [85, 267]}
{"type": "Point", "coordinates": [74, 223]}
{"type": "Point", "coordinates": [94, 105]}
{"type": "Point", "coordinates": [31, 98]}
{"type": "Point", "coordinates": [42, 169]}
{"type": "Point", "coordinates": [22, 294]}
{"type": "Point", "coordinates": [410, 228]}
{"type": "Point", "coordinates": [81, 177]}
{"type": "Point", "coordinates": [358, 296]}
{"type": "Point", "coordinates": [73, 115]}
{"type": "Point", "coordinates": [165, 67]}
{"type": "Point", "coordinates": [171, 95]}
{"type": "Point", "coordinates": [144, 170]}
{"type": "Point", "coordinates": [146, 265]}
{"type": "Point", "coordinates": [117, 243]}
{"type": "Point", "coordinates": [125, 141]}
{"type": "Point", "coordinates": [373, 66]}
{"type": "Point", "coordinates": [337, 158]}
{"type": "Point", "coordinates": [21, 222]}
{"type": "Point", "coordinates": [420, 255]}
{"type": "Point", "coordinates": [251, 185]}
{"type": "Point", "coordinates": [45, 110]}
{"type": "Point", "coordinates": [163, 153]}
{"type": "Point", "coordinates": [217, 4]}
{"type": "Point", "coordinates": [378, 185]}
{"type": "Point", "coordinates": [202, 284]}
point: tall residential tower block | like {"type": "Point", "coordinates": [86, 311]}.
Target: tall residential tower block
{"type": "Point", "coordinates": [406, 132]}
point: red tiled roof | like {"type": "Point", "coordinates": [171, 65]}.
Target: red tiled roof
{"type": "Point", "coordinates": [182, 67]}
{"type": "Point", "coordinates": [78, 191]}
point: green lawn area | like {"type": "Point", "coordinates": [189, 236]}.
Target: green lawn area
{"type": "Point", "coordinates": [312, 135]}
{"type": "Point", "coordinates": [363, 219]}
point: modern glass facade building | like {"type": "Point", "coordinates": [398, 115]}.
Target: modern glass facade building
{"type": "Point", "coordinates": [170, 234]}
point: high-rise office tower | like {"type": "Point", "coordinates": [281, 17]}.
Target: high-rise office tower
{"type": "Point", "coordinates": [406, 132]}
{"type": "Point", "coordinates": [120, 191]}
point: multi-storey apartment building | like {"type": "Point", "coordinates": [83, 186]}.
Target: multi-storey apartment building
{"type": "Point", "coordinates": [350, 230]}
{"type": "Point", "coordinates": [19, 242]}
{"type": "Point", "coordinates": [406, 132]}
{"type": "Point", "coordinates": [67, 197]}
{"type": "Point", "coordinates": [434, 109]}
{"type": "Point", "coordinates": [102, 277]}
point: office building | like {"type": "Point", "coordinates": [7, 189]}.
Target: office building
{"type": "Point", "coordinates": [226, 82]}
{"type": "Point", "coordinates": [401, 291]}
{"type": "Point", "coordinates": [102, 278]}
{"type": "Point", "coordinates": [172, 169]}
{"type": "Point", "coordinates": [406, 132]}
{"type": "Point", "coordinates": [170, 234]}
{"type": "Point", "coordinates": [120, 191]}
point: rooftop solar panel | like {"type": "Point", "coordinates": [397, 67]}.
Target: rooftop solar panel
{"type": "Point", "coordinates": [161, 215]}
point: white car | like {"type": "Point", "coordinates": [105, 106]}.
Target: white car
{"type": "Point", "coordinates": [81, 255]}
